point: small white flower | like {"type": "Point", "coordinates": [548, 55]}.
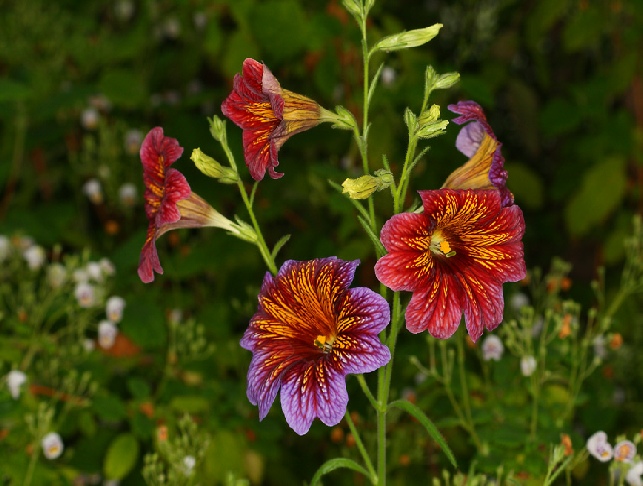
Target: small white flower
{"type": "Point", "coordinates": [15, 380]}
{"type": "Point", "coordinates": [599, 346]}
{"type": "Point", "coordinates": [624, 451]}
{"type": "Point", "coordinates": [634, 474]}
{"type": "Point", "coordinates": [107, 332]}
{"type": "Point", "coordinates": [527, 365]}
{"type": "Point", "coordinates": [35, 256]}
{"type": "Point", "coordinates": [89, 118]}
{"type": "Point", "coordinates": [114, 309]}
{"type": "Point", "coordinates": [133, 139]}
{"type": "Point", "coordinates": [388, 76]}
{"type": "Point", "coordinates": [56, 275]}
{"type": "Point", "coordinates": [94, 271]}
{"type": "Point", "coordinates": [598, 447]}
{"type": "Point", "coordinates": [127, 194]}
{"type": "Point", "coordinates": [93, 190]}
{"type": "Point", "coordinates": [85, 295]}
{"type": "Point", "coordinates": [89, 345]}
{"type": "Point", "coordinates": [492, 348]}
{"type": "Point", "coordinates": [5, 247]}
{"type": "Point", "coordinates": [52, 445]}
{"type": "Point", "coordinates": [518, 300]}
{"type": "Point", "coordinates": [188, 464]}
{"type": "Point", "coordinates": [107, 267]}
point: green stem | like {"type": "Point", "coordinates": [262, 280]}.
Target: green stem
{"type": "Point", "coordinates": [367, 391]}
{"type": "Point", "coordinates": [32, 467]}
{"type": "Point", "coordinates": [360, 446]}
{"type": "Point", "coordinates": [465, 390]}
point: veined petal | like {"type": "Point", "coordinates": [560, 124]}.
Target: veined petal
{"type": "Point", "coordinates": [436, 308]}
{"type": "Point", "coordinates": [309, 331]}
{"type": "Point", "coordinates": [311, 390]}
{"type": "Point", "coordinates": [406, 231]}
{"type": "Point", "coordinates": [405, 270]}
{"type": "Point", "coordinates": [260, 153]}
{"type": "Point", "coordinates": [149, 260]}
{"type": "Point", "coordinates": [176, 188]}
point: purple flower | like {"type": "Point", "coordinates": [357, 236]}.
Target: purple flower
{"type": "Point", "coordinates": [309, 332]}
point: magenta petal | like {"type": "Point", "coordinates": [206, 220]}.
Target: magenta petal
{"type": "Point", "coordinates": [470, 138]}
{"type": "Point", "coordinates": [312, 390]}
{"type": "Point", "coordinates": [436, 309]}
{"type": "Point", "coordinates": [176, 188]}
{"type": "Point", "coordinates": [149, 262]}
{"type": "Point", "coordinates": [263, 383]}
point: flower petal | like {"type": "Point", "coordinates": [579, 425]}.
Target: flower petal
{"type": "Point", "coordinates": [436, 308]}
{"type": "Point", "coordinates": [149, 260]}
{"type": "Point", "coordinates": [312, 390]}
{"type": "Point", "coordinates": [176, 188]}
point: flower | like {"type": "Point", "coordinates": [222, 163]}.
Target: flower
{"type": "Point", "coordinates": [598, 447]}
{"type": "Point", "coordinates": [309, 332]}
{"type": "Point", "coordinates": [133, 140]}
{"type": "Point", "coordinates": [268, 116]}
{"type": "Point", "coordinates": [89, 118]}
{"type": "Point", "coordinates": [599, 346]}
{"type": "Point", "coordinates": [169, 201]}
{"type": "Point", "coordinates": [566, 442]}
{"type": "Point", "coordinates": [107, 332]}
{"type": "Point", "coordinates": [454, 257]}
{"type": "Point", "coordinates": [633, 476]}
{"type": "Point", "coordinates": [527, 365]}
{"type": "Point", "coordinates": [114, 308]}
{"type": "Point", "coordinates": [93, 190]}
{"type": "Point", "coordinates": [52, 445]}
{"type": "Point", "coordinates": [15, 380]}
{"type": "Point", "coordinates": [485, 167]}
{"type": "Point", "coordinates": [94, 271]}
{"type": "Point", "coordinates": [85, 294]}
{"type": "Point", "coordinates": [624, 451]}
{"type": "Point", "coordinates": [188, 465]}
{"type": "Point", "coordinates": [127, 194]}
{"type": "Point", "coordinates": [492, 348]}
{"type": "Point", "coordinates": [35, 256]}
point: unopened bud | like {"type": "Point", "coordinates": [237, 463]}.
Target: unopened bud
{"type": "Point", "coordinates": [445, 81]}
{"type": "Point", "coordinates": [363, 187]}
{"type": "Point", "coordinates": [212, 168]}
{"type": "Point", "coordinates": [412, 38]}
{"type": "Point", "coordinates": [217, 128]}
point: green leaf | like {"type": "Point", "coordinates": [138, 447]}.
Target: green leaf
{"type": "Point", "coordinates": [279, 245]}
{"type": "Point", "coordinates": [138, 388]}
{"type": "Point", "coordinates": [190, 404]}
{"type": "Point", "coordinates": [337, 463]}
{"type": "Point", "coordinates": [109, 408]}
{"type": "Point", "coordinates": [584, 29]}
{"type": "Point", "coordinates": [121, 456]}
{"type": "Point", "coordinates": [379, 248]}
{"type": "Point", "coordinates": [428, 425]}
{"type": "Point", "coordinates": [601, 192]}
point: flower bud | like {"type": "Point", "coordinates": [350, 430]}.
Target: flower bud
{"type": "Point", "coordinates": [212, 168]}
{"type": "Point", "coordinates": [244, 231]}
{"type": "Point", "coordinates": [445, 81]}
{"type": "Point", "coordinates": [363, 187]}
{"type": "Point", "coordinates": [411, 38]}
{"type": "Point", "coordinates": [217, 128]}
{"type": "Point", "coordinates": [411, 120]}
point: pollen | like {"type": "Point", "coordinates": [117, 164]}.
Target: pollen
{"type": "Point", "coordinates": [324, 343]}
{"type": "Point", "coordinates": [440, 245]}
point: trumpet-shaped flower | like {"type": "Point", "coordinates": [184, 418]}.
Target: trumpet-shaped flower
{"type": "Point", "coordinates": [309, 332]}
{"type": "Point", "coordinates": [454, 257]}
{"type": "Point", "coordinates": [268, 116]}
{"type": "Point", "coordinates": [169, 201]}
{"type": "Point", "coordinates": [476, 140]}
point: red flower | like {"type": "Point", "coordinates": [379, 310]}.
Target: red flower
{"type": "Point", "coordinates": [454, 257]}
{"type": "Point", "coordinates": [268, 115]}
{"type": "Point", "coordinates": [485, 167]}
{"type": "Point", "coordinates": [169, 201]}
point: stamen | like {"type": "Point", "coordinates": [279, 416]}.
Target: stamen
{"type": "Point", "coordinates": [324, 343]}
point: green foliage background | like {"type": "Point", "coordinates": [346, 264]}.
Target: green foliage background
{"type": "Point", "coordinates": [560, 81]}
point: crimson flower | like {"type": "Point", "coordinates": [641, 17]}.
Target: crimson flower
{"type": "Point", "coordinates": [268, 116]}
{"type": "Point", "coordinates": [309, 332]}
{"type": "Point", "coordinates": [169, 201]}
{"type": "Point", "coordinates": [476, 140]}
{"type": "Point", "coordinates": [454, 257]}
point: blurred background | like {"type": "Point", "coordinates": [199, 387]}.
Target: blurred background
{"type": "Point", "coordinates": [81, 83]}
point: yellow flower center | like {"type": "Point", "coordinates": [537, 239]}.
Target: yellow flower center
{"type": "Point", "coordinates": [440, 245]}
{"type": "Point", "coordinates": [325, 343]}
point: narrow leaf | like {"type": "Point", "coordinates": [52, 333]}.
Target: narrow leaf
{"type": "Point", "coordinates": [374, 82]}
{"type": "Point", "coordinates": [428, 425]}
{"type": "Point", "coordinates": [337, 463]}
{"type": "Point", "coordinates": [379, 248]}
{"type": "Point", "coordinates": [279, 245]}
